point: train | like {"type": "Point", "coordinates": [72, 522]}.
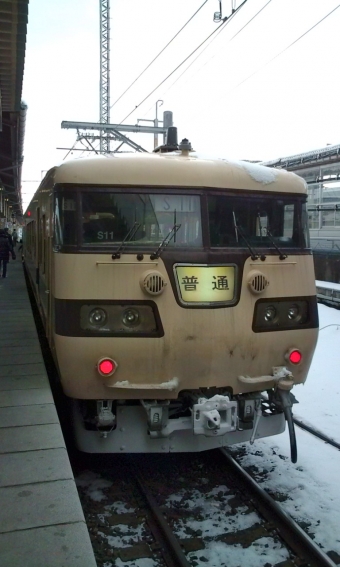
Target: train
{"type": "Point", "coordinates": [177, 293]}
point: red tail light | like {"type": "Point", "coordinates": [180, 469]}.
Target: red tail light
{"type": "Point", "coordinates": [106, 366]}
{"type": "Point", "coordinates": [295, 356]}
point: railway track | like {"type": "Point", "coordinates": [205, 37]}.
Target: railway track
{"type": "Point", "coordinates": [290, 532]}
{"type": "Point", "coordinates": [181, 510]}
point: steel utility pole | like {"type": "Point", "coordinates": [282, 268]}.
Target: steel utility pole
{"type": "Point", "coordinates": [106, 131]}
{"type": "Point", "coordinates": [104, 93]}
{"type": "Point", "coordinates": [155, 143]}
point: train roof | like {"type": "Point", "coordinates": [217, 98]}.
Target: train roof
{"type": "Point", "coordinates": [175, 169]}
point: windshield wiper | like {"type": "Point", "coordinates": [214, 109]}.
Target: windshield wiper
{"type": "Point", "coordinates": [260, 225]}
{"type": "Point", "coordinates": [116, 255]}
{"type": "Point", "coordinates": [239, 231]}
{"type": "Point", "coordinates": [165, 242]}
{"type": "Point", "coordinates": [271, 238]}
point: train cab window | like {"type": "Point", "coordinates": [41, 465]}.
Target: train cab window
{"type": "Point", "coordinates": [65, 227]}
{"type": "Point", "coordinates": [108, 217]}
{"type": "Point", "coordinates": [259, 221]}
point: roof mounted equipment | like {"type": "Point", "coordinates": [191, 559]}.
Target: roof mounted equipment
{"type": "Point", "coordinates": [171, 144]}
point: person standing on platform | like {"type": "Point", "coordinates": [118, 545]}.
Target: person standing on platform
{"type": "Point", "coordinates": [15, 238]}
{"type": "Point", "coordinates": [9, 236]}
{"type": "Point", "coordinates": [21, 249]}
{"type": "Point", "coordinates": [5, 250]}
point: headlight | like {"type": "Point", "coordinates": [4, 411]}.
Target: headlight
{"type": "Point", "coordinates": [131, 317]}
{"type": "Point", "coordinates": [285, 314]}
{"type": "Point", "coordinates": [120, 318]}
{"type": "Point", "coordinates": [293, 312]}
{"type": "Point", "coordinates": [270, 313]}
{"type": "Point", "coordinates": [98, 317]}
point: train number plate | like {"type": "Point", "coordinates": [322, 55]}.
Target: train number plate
{"type": "Point", "coordinates": [202, 284]}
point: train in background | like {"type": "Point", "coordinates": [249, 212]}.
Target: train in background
{"type": "Point", "coordinates": [178, 297]}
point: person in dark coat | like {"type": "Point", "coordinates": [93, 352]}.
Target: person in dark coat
{"type": "Point", "coordinates": [9, 236]}
{"type": "Point", "coordinates": [5, 250]}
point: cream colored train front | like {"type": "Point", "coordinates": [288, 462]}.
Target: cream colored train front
{"type": "Point", "coordinates": [178, 295]}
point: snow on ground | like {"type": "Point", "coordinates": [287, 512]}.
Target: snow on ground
{"type": "Point", "coordinates": [93, 484]}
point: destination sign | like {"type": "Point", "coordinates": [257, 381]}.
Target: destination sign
{"type": "Point", "coordinates": [206, 284]}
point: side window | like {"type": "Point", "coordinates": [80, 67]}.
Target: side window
{"type": "Point", "coordinates": [288, 221]}
{"type": "Point", "coordinates": [39, 240]}
{"type": "Point", "coordinates": [261, 223]}
{"type": "Point", "coordinates": [305, 226]}
{"type": "Point", "coordinates": [65, 226]}
{"type": "Point", "coordinates": [30, 238]}
{"type": "Point", "coordinates": [43, 243]}
{"type": "Point", "coordinates": [68, 216]}
{"type": "Point", "coordinates": [57, 230]}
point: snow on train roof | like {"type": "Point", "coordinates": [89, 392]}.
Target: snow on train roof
{"type": "Point", "coordinates": [177, 169]}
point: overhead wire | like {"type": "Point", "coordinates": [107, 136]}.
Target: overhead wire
{"type": "Point", "coordinates": [219, 29]}
{"type": "Point", "coordinates": [224, 23]}
{"type": "Point", "coordinates": [203, 50]}
{"type": "Point", "coordinates": [158, 55]}
{"type": "Point", "coordinates": [70, 150]}
{"type": "Point", "coordinates": [283, 50]}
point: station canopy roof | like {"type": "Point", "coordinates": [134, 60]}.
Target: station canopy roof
{"type": "Point", "coordinates": [13, 30]}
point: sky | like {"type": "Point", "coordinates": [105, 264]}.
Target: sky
{"type": "Point", "coordinates": [249, 95]}
{"type": "Point", "coordinates": [312, 484]}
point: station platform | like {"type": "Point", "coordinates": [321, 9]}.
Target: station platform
{"type": "Point", "coordinates": [41, 520]}
{"type": "Point", "coordinates": [328, 293]}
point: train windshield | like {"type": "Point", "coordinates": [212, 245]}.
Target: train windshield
{"type": "Point", "coordinates": [233, 221]}
{"type": "Point", "coordinates": [102, 218]}
{"type": "Point", "coordinates": [107, 218]}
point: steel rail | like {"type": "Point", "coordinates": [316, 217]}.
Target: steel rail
{"type": "Point", "coordinates": [316, 433]}
{"type": "Point", "coordinates": [173, 546]}
{"type": "Point", "coordinates": [289, 530]}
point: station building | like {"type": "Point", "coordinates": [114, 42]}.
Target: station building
{"type": "Point", "coordinates": [321, 171]}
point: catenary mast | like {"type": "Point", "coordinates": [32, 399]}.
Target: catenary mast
{"type": "Point", "coordinates": [104, 94]}
{"type": "Point", "coordinates": [107, 131]}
